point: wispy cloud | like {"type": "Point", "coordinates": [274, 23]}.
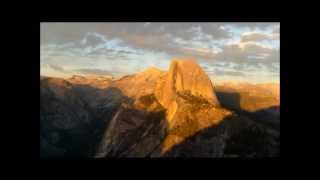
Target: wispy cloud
{"type": "Point", "coordinates": [93, 71]}
{"type": "Point", "coordinates": [255, 36]}
{"type": "Point", "coordinates": [129, 47]}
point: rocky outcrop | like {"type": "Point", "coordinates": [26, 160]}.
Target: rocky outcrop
{"type": "Point", "coordinates": [184, 76]}
{"type": "Point", "coordinates": [140, 84]}
{"type": "Point", "coordinates": [184, 94]}
{"type": "Point", "coordinates": [149, 114]}
{"type": "Point", "coordinates": [136, 130]}
{"type": "Point", "coordinates": [73, 117]}
{"type": "Point", "coordinates": [260, 101]}
{"type": "Point", "coordinates": [192, 115]}
{"type": "Point", "coordinates": [100, 82]}
{"type": "Point", "coordinates": [65, 120]}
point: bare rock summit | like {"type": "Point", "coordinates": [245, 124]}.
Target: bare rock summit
{"type": "Point", "coordinates": [184, 76]}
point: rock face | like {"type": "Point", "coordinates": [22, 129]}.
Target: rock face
{"type": "Point", "coordinates": [65, 120]}
{"type": "Point", "coordinates": [94, 81]}
{"type": "Point", "coordinates": [184, 95]}
{"type": "Point", "coordinates": [184, 76]}
{"type": "Point", "coordinates": [149, 114]}
{"type": "Point", "coordinates": [140, 84]}
{"type": "Point", "coordinates": [73, 116]}
{"type": "Point", "coordinates": [136, 130]}
{"type": "Point", "coordinates": [259, 100]}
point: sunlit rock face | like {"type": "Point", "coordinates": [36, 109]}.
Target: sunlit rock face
{"type": "Point", "coordinates": [185, 96]}
{"type": "Point", "coordinates": [193, 114]}
{"type": "Point", "coordinates": [152, 113]}
{"type": "Point", "coordinates": [184, 76]}
{"type": "Point", "coordinates": [140, 84]}
{"type": "Point", "coordinates": [188, 76]}
{"type": "Point", "coordinates": [260, 100]}
{"type": "Point", "coordinates": [100, 82]}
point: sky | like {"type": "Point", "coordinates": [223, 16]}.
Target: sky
{"type": "Point", "coordinates": [248, 52]}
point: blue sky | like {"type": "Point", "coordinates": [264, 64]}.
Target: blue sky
{"type": "Point", "coordinates": [226, 51]}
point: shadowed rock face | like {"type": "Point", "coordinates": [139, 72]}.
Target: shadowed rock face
{"type": "Point", "coordinates": [64, 120]}
{"type": "Point", "coordinates": [260, 101]}
{"type": "Point", "coordinates": [192, 115]}
{"type": "Point", "coordinates": [72, 118]}
{"type": "Point", "coordinates": [136, 130]}
{"type": "Point", "coordinates": [185, 93]}
{"type": "Point", "coordinates": [148, 114]}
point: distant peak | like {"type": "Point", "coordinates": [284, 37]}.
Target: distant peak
{"type": "Point", "coordinates": [187, 64]}
{"type": "Point", "coordinates": [183, 60]}
{"type": "Point", "coordinates": [102, 77]}
{"type": "Point", "coordinates": [90, 77]}
{"type": "Point", "coordinates": [151, 70]}
{"type": "Point", "coordinates": [74, 77]}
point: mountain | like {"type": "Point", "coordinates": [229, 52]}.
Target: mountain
{"type": "Point", "coordinates": [95, 81]}
{"type": "Point", "coordinates": [265, 89]}
{"type": "Point", "coordinates": [73, 116]}
{"type": "Point", "coordinates": [184, 76]}
{"type": "Point", "coordinates": [261, 101]}
{"type": "Point", "coordinates": [273, 88]}
{"type": "Point", "coordinates": [153, 113]}
{"type": "Point", "coordinates": [140, 84]}
{"type": "Point", "coordinates": [182, 103]}
{"type": "Point", "coordinates": [64, 120]}
{"type": "Point", "coordinates": [183, 117]}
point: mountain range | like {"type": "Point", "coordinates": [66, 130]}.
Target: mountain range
{"type": "Point", "coordinates": [155, 113]}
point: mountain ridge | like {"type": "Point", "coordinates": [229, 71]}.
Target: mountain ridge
{"type": "Point", "coordinates": [152, 113]}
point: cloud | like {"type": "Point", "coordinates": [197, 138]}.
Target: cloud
{"type": "Point", "coordinates": [255, 25]}
{"type": "Point", "coordinates": [56, 67]}
{"type": "Point", "coordinates": [170, 36]}
{"type": "Point", "coordinates": [93, 71]}
{"type": "Point", "coordinates": [276, 30]}
{"type": "Point", "coordinates": [128, 47]}
{"type": "Point", "coordinates": [157, 37]}
{"type": "Point", "coordinates": [222, 69]}
{"type": "Point", "coordinates": [66, 32]}
{"type": "Point", "coordinates": [183, 30]}
{"type": "Point", "coordinates": [248, 52]}
{"type": "Point", "coordinates": [255, 36]}
{"type": "Point", "coordinates": [92, 39]}
{"type": "Point", "coordinates": [228, 73]}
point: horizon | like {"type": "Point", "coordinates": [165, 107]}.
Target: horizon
{"type": "Point", "coordinates": [119, 77]}
{"type": "Point", "coordinates": [240, 52]}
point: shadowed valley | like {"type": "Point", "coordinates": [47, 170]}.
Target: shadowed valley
{"type": "Point", "coordinates": [154, 113]}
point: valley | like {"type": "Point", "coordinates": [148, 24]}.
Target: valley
{"type": "Point", "coordinates": [155, 113]}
